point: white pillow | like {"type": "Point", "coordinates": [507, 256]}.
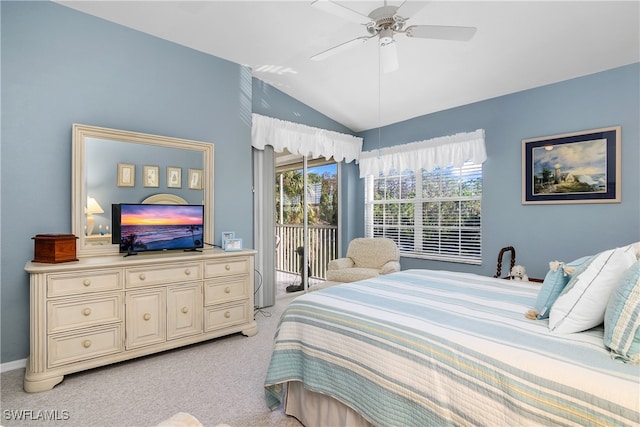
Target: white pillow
{"type": "Point", "coordinates": [582, 303]}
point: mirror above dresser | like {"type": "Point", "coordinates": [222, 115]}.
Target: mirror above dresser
{"type": "Point", "coordinates": [111, 166]}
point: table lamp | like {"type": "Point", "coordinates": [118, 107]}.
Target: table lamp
{"type": "Point", "coordinates": [93, 207]}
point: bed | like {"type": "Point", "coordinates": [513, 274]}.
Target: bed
{"type": "Point", "coordinates": [422, 347]}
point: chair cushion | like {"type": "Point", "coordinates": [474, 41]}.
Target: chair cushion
{"type": "Point", "coordinates": [351, 274]}
{"type": "Point", "coordinates": [370, 252]}
{"type": "Point", "coordinates": [336, 264]}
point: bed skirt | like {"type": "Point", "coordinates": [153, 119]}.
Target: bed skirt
{"type": "Point", "coordinates": [319, 410]}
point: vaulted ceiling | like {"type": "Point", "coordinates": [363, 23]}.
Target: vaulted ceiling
{"type": "Point", "coordinates": [518, 45]}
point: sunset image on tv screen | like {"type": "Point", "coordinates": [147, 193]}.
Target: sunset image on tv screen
{"type": "Point", "coordinates": [160, 227]}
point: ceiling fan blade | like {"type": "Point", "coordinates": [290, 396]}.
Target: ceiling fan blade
{"type": "Point", "coordinates": [389, 57]}
{"type": "Point", "coordinates": [410, 8]}
{"type": "Point", "coordinates": [340, 48]}
{"type": "Point", "coordinates": [341, 11]}
{"type": "Point", "coordinates": [441, 32]}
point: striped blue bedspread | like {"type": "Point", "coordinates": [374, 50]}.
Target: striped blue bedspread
{"type": "Point", "coordinates": [422, 347]}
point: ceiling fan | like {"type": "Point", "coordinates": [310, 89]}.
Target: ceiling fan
{"type": "Point", "coordinates": [384, 23]}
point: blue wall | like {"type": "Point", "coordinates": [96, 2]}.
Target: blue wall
{"type": "Point", "coordinates": [539, 233]}
{"type": "Point", "coordinates": [271, 102]}
{"type": "Point", "coordinates": [59, 67]}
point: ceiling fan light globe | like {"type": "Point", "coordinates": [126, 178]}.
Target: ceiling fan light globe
{"type": "Point", "coordinates": [389, 57]}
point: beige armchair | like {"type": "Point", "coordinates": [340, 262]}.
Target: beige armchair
{"type": "Point", "coordinates": [366, 257]}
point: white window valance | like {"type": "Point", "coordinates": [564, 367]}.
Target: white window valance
{"type": "Point", "coordinates": [429, 154]}
{"type": "Point", "coordinates": [304, 140]}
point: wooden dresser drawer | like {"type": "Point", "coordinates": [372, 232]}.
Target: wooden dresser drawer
{"type": "Point", "coordinates": [222, 317]}
{"type": "Point", "coordinates": [226, 267]}
{"type": "Point", "coordinates": [229, 289]}
{"type": "Point", "coordinates": [87, 281]}
{"type": "Point", "coordinates": [160, 274]}
{"type": "Point", "coordinates": [70, 314]}
{"type": "Point", "coordinates": [69, 348]}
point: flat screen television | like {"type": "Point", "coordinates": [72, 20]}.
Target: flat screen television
{"type": "Point", "coordinates": [142, 228]}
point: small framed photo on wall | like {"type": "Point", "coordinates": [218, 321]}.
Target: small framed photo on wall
{"type": "Point", "coordinates": [174, 177]}
{"type": "Point", "coordinates": [151, 176]}
{"type": "Point", "coordinates": [195, 179]}
{"type": "Point", "coordinates": [126, 175]}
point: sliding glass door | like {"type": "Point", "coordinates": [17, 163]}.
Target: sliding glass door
{"type": "Point", "coordinates": [321, 214]}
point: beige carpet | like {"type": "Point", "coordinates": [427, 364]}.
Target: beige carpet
{"type": "Point", "coordinates": [218, 382]}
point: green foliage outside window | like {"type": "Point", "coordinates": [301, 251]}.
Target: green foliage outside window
{"type": "Point", "coordinates": [322, 196]}
{"type": "Point", "coordinates": [433, 215]}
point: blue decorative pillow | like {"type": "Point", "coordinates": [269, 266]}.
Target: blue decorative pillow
{"type": "Point", "coordinates": [554, 282]}
{"type": "Point", "coordinates": [622, 317]}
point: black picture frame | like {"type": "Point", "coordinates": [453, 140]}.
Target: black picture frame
{"type": "Point", "coordinates": [579, 167]}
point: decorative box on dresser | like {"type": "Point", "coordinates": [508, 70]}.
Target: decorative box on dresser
{"type": "Point", "coordinates": [102, 310]}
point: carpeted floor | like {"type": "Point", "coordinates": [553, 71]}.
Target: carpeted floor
{"type": "Point", "coordinates": [218, 382]}
{"type": "Point", "coordinates": [284, 279]}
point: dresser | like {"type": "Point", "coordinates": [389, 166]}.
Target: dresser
{"type": "Point", "coordinates": [102, 310]}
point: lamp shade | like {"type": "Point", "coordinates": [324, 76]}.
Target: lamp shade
{"type": "Point", "coordinates": [93, 206]}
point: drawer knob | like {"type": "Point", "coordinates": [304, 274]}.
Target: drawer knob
{"type": "Point", "coordinates": [227, 314]}
{"type": "Point", "coordinates": [187, 271]}
{"type": "Point", "coordinates": [86, 343]}
{"type": "Point", "coordinates": [227, 290]}
{"type": "Point", "coordinates": [86, 282]}
{"type": "Point", "coordinates": [86, 311]}
{"type": "Point", "coordinates": [185, 310]}
{"type": "Point", "coordinates": [227, 267]}
{"type": "Point", "coordinates": [142, 276]}
{"type": "Point", "coordinates": [146, 316]}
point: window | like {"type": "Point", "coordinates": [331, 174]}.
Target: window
{"type": "Point", "coordinates": [431, 215]}
{"type": "Point", "coordinates": [322, 193]}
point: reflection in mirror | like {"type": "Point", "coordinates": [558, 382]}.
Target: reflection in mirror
{"type": "Point", "coordinates": [113, 166]}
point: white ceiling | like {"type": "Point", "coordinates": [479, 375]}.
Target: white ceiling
{"type": "Point", "coordinates": [519, 45]}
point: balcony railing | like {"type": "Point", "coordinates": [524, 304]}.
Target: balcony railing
{"type": "Point", "coordinates": [323, 247]}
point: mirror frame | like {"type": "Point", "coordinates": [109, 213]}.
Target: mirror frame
{"type": "Point", "coordinates": [79, 169]}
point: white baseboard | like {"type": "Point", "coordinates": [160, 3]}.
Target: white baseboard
{"type": "Point", "coordinates": [16, 364]}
